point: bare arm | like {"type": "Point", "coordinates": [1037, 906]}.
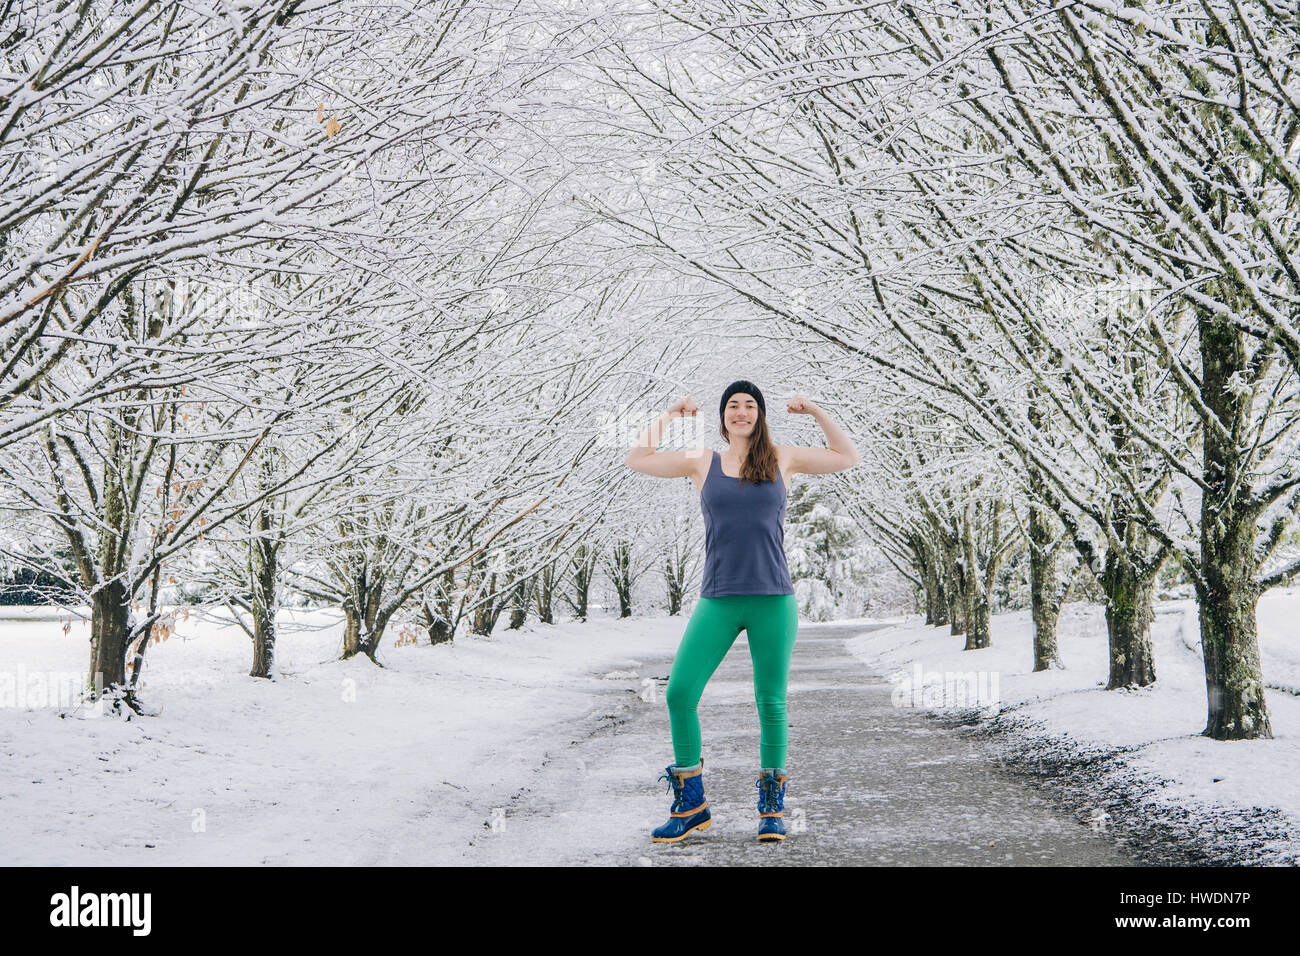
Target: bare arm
{"type": "Point", "coordinates": [840, 453]}
{"type": "Point", "coordinates": [665, 464]}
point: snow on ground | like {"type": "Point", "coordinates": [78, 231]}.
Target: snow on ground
{"type": "Point", "coordinates": [309, 769]}
{"type": "Point", "coordinates": [1158, 727]}
{"type": "Point", "coordinates": [344, 763]}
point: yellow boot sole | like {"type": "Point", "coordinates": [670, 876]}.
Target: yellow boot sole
{"type": "Point", "coordinates": [695, 829]}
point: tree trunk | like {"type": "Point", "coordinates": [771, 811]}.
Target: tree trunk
{"type": "Point", "coordinates": [519, 599]}
{"type": "Point", "coordinates": [936, 609]}
{"type": "Point", "coordinates": [438, 626]}
{"type": "Point", "coordinates": [954, 603]}
{"type": "Point", "coordinates": [265, 594]}
{"type": "Point", "coordinates": [1130, 590]}
{"type": "Point", "coordinates": [371, 597]}
{"type": "Point", "coordinates": [544, 595]}
{"type": "Point", "coordinates": [583, 561]}
{"type": "Point", "coordinates": [1043, 590]}
{"type": "Point", "coordinates": [1045, 607]}
{"type": "Point", "coordinates": [110, 611]}
{"type": "Point", "coordinates": [484, 616]}
{"type": "Point", "coordinates": [675, 575]}
{"type": "Point", "coordinates": [372, 635]}
{"type": "Point", "coordinates": [975, 599]}
{"type": "Point", "coordinates": [1233, 681]}
{"type": "Point", "coordinates": [620, 568]}
{"type": "Point", "coordinates": [110, 600]}
{"type": "Point", "coordinates": [437, 619]}
{"type": "Point", "coordinates": [351, 629]}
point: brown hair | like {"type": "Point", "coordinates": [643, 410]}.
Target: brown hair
{"type": "Point", "coordinates": [760, 462]}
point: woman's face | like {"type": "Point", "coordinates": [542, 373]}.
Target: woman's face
{"type": "Point", "coordinates": [741, 414]}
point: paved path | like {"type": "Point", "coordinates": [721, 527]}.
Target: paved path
{"type": "Point", "coordinates": [870, 784]}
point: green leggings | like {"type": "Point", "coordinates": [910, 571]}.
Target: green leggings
{"type": "Point", "coordinates": [770, 622]}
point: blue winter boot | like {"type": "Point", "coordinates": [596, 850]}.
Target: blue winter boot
{"type": "Point", "coordinates": [771, 805]}
{"type": "Point", "coordinates": [690, 811]}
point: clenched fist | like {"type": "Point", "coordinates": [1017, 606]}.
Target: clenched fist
{"type": "Point", "coordinates": [683, 408]}
{"type": "Point", "coordinates": [800, 406]}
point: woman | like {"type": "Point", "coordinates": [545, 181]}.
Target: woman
{"type": "Point", "coordinates": [746, 586]}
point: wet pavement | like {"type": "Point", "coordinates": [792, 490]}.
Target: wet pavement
{"type": "Point", "coordinates": [870, 783]}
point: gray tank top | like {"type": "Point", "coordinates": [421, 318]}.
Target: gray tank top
{"type": "Point", "coordinates": [744, 535]}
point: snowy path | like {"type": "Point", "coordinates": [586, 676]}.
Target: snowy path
{"type": "Point", "coordinates": [869, 783]}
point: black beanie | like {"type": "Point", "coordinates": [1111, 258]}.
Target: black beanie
{"type": "Point", "coordinates": [749, 388]}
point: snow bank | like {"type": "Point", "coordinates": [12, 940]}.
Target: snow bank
{"type": "Point", "coordinates": [1157, 728]}
{"type": "Point", "coordinates": [332, 763]}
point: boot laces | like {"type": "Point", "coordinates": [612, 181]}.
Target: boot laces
{"type": "Point", "coordinates": [678, 788]}
{"type": "Point", "coordinates": [770, 791]}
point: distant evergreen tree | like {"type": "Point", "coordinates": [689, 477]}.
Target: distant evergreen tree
{"type": "Point", "coordinates": [827, 566]}
{"type": "Point", "coordinates": [25, 586]}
